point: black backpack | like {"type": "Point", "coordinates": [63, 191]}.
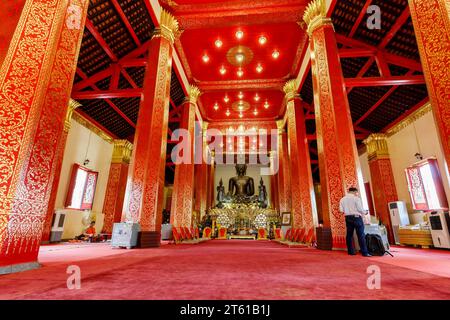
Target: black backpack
{"type": "Point", "coordinates": [375, 245]}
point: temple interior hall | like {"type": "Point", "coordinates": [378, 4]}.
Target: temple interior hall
{"type": "Point", "coordinates": [225, 150]}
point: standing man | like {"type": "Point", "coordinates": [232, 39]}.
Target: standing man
{"type": "Point", "coordinates": [351, 207]}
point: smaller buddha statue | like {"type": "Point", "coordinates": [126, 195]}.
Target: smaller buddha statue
{"type": "Point", "coordinates": [262, 197]}
{"type": "Point", "coordinates": [220, 194]}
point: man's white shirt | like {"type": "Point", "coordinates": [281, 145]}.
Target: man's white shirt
{"type": "Point", "coordinates": [351, 205]}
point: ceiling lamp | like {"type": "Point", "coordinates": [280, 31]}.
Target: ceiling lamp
{"type": "Point", "coordinates": [239, 34]}
{"type": "Point", "coordinates": [257, 98]}
{"type": "Point", "coordinates": [205, 58]}
{"type": "Point", "coordinates": [240, 115]}
{"type": "Point", "coordinates": [240, 73]}
{"type": "Point", "coordinates": [240, 95]}
{"type": "Point", "coordinates": [255, 112]}
{"type": "Point", "coordinates": [240, 57]}
{"type": "Point", "coordinates": [218, 43]}
{"type": "Point", "coordinates": [216, 106]}
{"type": "Point", "coordinates": [259, 68]}
{"type": "Point", "coordinates": [266, 105]}
{"type": "Point", "coordinates": [222, 70]}
{"type": "Point", "coordinates": [275, 54]}
{"type": "Point", "coordinates": [226, 99]}
{"type": "Point", "coordinates": [227, 113]}
{"type": "Point", "coordinates": [262, 40]}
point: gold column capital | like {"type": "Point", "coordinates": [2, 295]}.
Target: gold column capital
{"type": "Point", "coordinates": [280, 126]}
{"type": "Point", "coordinates": [377, 146]}
{"type": "Point", "coordinates": [290, 89]}
{"type": "Point", "coordinates": [168, 27]}
{"type": "Point", "coordinates": [194, 94]}
{"type": "Point", "coordinates": [73, 104]}
{"type": "Point", "coordinates": [316, 15]}
{"type": "Point", "coordinates": [122, 151]}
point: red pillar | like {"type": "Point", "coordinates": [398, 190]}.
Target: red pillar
{"type": "Point", "coordinates": [147, 168]}
{"type": "Point", "coordinates": [117, 182]}
{"type": "Point", "coordinates": [338, 157]}
{"type": "Point", "coordinates": [59, 155]}
{"type": "Point", "coordinates": [382, 178]}
{"type": "Point", "coordinates": [300, 164]}
{"type": "Point", "coordinates": [284, 181]}
{"type": "Point", "coordinates": [35, 84]}
{"type": "Point", "coordinates": [431, 20]}
{"type": "Point", "coordinates": [183, 186]}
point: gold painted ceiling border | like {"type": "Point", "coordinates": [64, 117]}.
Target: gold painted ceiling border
{"type": "Point", "coordinates": [425, 109]}
{"type": "Point", "coordinates": [92, 127]}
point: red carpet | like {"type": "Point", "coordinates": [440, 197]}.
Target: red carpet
{"type": "Point", "coordinates": [228, 270]}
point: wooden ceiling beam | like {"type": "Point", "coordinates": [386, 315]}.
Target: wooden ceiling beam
{"type": "Point", "coordinates": [107, 94]}
{"type": "Point", "coordinates": [384, 81]}
{"type": "Point", "coordinates": [360, 18]}
{"type": "Point", "coordinates": [96, 34]}
{"type": "Point", "coordinates": [390, 58]}
{"type": "Point", "coordinates": [395, 28]}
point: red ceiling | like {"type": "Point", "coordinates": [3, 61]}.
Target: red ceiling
{"type": "Point", "coordinates": [197, 40]}
{"type": "Point", "coordinates": [283, 37]}
{"type": "Point", "coordinates": [273, 97]}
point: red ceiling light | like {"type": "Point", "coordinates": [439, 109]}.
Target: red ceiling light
{"type": "Point", "coordinates": [240, 73]}
{"type": "Point", "coordinates": [262, 40]}
{"type": "Point", "coordinates": [257, 97]}
{"type": "Point", "coordinates": [218, 43]}
{"type": "Point", "coordinates": [205, 58]}
{"type": "Point", "coordinates": [259, 68]}
{"type": "Point", "coordinates": [275, 54]}
{"type": "Point", "coordinates": [228, 113]}
{"type": "Point", "coordinates": [222, 70]}
{"type": "Point", "coordinates": [216, 106]}
{"type": "Point", "coordinates": [241, 115]}
{"type": "Point", "coordinates": [240, 95]}
{"type": "Point", "coordinates": [239, 34]}
{"type": "Point", "coordinates": [226, 99]}
{"type": "Point", "coordinates": [266, 105]}
{"type": "Point", "coordinates": [255, 112]}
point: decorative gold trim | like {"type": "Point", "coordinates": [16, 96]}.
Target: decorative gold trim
{"type": "Point", "coordinates": [122, 151]}
{"type": "Point", "coordinates": [90, 126]}
{"type": "Point", "coordinates": [290, 89]}
{"type": "Point", "coordinates": [377, 146]}
{"type": "Point", "coordinates": [409, 119]}
{"type": "Point", "coordinates": [316, 15]}
{"type": "Point", "coordinates": [194, 93]}
{"type": "Point", "coordinates": [168, 27]}
{"type": "Point", "coordinates": [73, 104]}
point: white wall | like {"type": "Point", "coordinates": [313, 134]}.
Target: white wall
{"type": "Point", "coordinates": [226, 172]}
{"type": "Point", "coordinates": [403, 145]}
{"type": "Point", "coordinates": [81, 144]}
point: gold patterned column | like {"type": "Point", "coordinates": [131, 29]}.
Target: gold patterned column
{"type": "Point", "coordinates": [431, 20]}
{"type": "Point", "coordinates": [59, 155]}
{"type": "Point", "coordinates": [382, 178]}
{"type": "Point", "coordinates": [117, 182]}
{"type": "Point", "coordinates": [338, 156]}
{"type": "Point", "coordinates": [302, 187]}
{"type": "Point", "coordinates": [183, 185]}
{"type": "Point", "coordinates": [145, 190]}
{"type": "Point", "coordinates": [36, 79]}
{"type": "Point", "coordinates": [284, 179]}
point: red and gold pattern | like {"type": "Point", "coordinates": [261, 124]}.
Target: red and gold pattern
{"type": "Point", "coordinates": [183, 193]}
{"type": "Point", "coordinates": [338, 158]}
{"type": "Point", "coordinates": [382, 178]}
{"type": "Point", "coordinates": [117, 181]}
{"type": "Point", "coordinates": [284, 175]}
{"type": "Point", "coordinates": [147, 168]}
{"type": "Point", "coordinates": [431, 20]}
{"type": "Point", "coordinates": [59, 154]}
{"type": "Point", "coordinates": [44, 51]}
{"type": "Point", "coordinates": [301, 176]}
{"type": "Point", "coordinates": [10, 11]}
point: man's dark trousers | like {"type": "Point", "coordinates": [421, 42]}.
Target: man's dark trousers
{"type": "Point", "coordinates": [357, 223]}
